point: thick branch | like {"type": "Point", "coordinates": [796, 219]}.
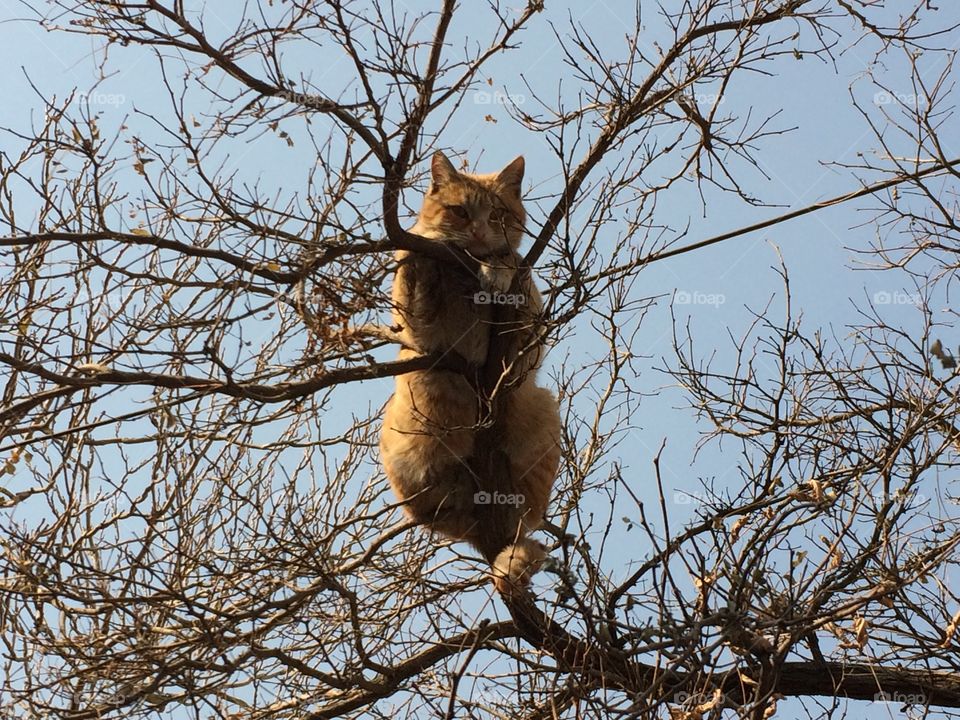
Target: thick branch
{"type": "Point", "coordinates": [867, 682]}
{"type": "Point", "coordinates": [258, 269]}
{"type": "Point", "coordinates": [856, 681]}
{"type": "Point", "coordinates": [100, 376]}
{"type": "Point", "coordinates": [403, 240]}
{"type": "Point", "coordinates": [397, 170]}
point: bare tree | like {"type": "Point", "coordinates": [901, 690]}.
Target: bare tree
{"type": "Point", "coordinates": [188, 528]}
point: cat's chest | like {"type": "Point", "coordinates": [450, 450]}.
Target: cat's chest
{"type": "Point", "coordinates": [461, 316]}
{"type": "Point", "coordinates": [463, 302]}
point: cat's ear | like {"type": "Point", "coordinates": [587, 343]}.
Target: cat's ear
{"type": "Point", "coordinates": [442, 171]}
{"type": "Point", "coordinates": [511, 176]}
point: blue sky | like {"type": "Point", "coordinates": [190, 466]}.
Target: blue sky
{"type": "Point", "coordinates": [725, 283]}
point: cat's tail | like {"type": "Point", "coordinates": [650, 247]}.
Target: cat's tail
{"type": "Point", "coordinates": [516, 564]}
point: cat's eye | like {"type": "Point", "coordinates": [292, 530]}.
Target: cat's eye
{"type": "Point", "coordinates": [459, 210]}
{"type": "Point", "coordinates": [499, 215]}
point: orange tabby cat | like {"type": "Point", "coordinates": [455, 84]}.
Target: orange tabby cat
{"type": "Point", "coordinates": [430, 423]}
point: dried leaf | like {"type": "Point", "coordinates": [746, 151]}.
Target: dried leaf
{"type": "Point", "coordinates": [710, 704]}
{"type": "Point", "coordinates": [860, 627]}
{"type": "Point", "coordinates": [771, 709]}
{"type": "Point", "coordinates": [944, 356]}
{"type": "Point", "coordinates": [736, 527]}
{"type": "Point", "coordinates": [746, 679]}
{"type": "Point", "coordinates": [704, 582]}
{"type": "Point", "coordinates": [835, 629]}
{"type": "Point", "coordinates": [951, 630]}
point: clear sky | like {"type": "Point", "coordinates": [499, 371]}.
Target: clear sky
{"type": "Point", "coordinates": [718, 288]}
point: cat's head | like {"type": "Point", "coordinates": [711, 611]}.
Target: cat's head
{"type": "Point", "coordinates": [482, 214]}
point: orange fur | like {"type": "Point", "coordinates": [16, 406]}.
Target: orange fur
{"type": "Point", "coordinates": [427, 443]}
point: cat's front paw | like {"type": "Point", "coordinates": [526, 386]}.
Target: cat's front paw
{"type": "Point", "coordinates": [496, 279]}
